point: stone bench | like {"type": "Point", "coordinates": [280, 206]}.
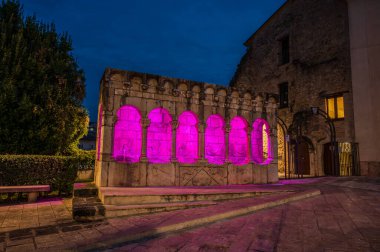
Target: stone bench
{"type": "Point", "coordinates": [32, 190]}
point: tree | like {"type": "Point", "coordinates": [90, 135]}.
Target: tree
{"type": "Point", "coordinates": [41, 87]}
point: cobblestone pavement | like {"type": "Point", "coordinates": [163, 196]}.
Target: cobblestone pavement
{"type": "Point", "coordinates": [346, 217]}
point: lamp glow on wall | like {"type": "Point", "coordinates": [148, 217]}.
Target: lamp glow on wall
{"type": "Point", "coordinates": [238, 151]}
{"type": "Point", "coordinates": [159, 136]}
{"type": "Point", "coordinates": [127, 135]}
{"type": "Point", "coordinates": [261, 148]}
{"type": "Point", "coordinates": [187, 138]}
{"type": "Point", "coordinates": [215, 149]}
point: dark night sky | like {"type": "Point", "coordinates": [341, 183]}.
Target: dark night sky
{"type": "Point", "coordinates": [199, 40]}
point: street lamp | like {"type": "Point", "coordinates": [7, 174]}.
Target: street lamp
{"type": "Point", "coordinates": [314, 110]}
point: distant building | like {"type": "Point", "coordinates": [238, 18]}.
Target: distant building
{"type": "Point", "coordinates": [323, 54]}
{"type": "Point", "coordinates": [88, 142]}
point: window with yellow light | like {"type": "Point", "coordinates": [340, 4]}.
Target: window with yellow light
{"type": "Point", "coordinates": [335, 107]}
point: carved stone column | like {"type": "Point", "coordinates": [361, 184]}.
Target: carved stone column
{"type": "Point", "coordinates": [174, 140]}
{"type": "Point", "coordinates": [201, 142]}
{"type": "Point", "coordinates": [227, 134]}
{"type": "Point", "coordinates": [249, 131]}
{"type": "Point", "coordinates": [145, 125]}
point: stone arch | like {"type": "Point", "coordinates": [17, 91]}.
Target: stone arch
{"type": "Point", "coordinates": [168, 87]}
{"type": "Point", "coordinates": [215, 149]}
{"type": "Point", "coordinates": [221, 95]}
{"type": "Point", "coordinates": [259, 103]}
{"type": "Point", "coordinates": [136, 82]}
{"type": "Point", "coordinates": [187, 138]}
{"type": "Point", "coordinates": [261, 144]}
{"type": "Point", "coordinates": [238, 149]}
{"type": "Point", "coordinates": [152, 85]}
{"type": "Point", "coordinates": [127, 135]}
{"type": "Point", "coordinates": [159, 136]}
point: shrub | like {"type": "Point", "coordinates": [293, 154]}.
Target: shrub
{"type": "Point", "coordinates": [87, 159]}
{"type": "Point", "coordinates": [59, 172]}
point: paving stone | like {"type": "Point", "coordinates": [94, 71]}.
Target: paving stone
{"type": "Point", "coordinates": [341, 219]}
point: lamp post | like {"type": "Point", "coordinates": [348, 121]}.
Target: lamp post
{"type": "Point", "coordinates": [333, 147]}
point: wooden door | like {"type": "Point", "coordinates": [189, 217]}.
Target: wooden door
{"type": "Point", "coordinates": [303, 159]}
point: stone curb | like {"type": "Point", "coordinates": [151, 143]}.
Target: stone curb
{"type": "Point", "coordinates": [198, 222]}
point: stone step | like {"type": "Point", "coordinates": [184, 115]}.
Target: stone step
{"type": "Point", "coordinates": [129, 210]}
{"type": "Point", "coordinates": [111, 196]}
{"type": "Point", "coordinates": [87, 209]}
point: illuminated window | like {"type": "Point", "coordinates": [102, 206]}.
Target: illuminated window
{"type": "Point", "coordinates": [159, 136]}
{"type": "Point", "coordinates": [238, 152]}
{"type": "Point", "coordinates": [127, 135]}
{"type": "Point", "coordinates": [100, 122]}
{"type": "Point", "coordinates": [335, 107]}
{"type": "Point", "coordinates": [187, 138]}
{"type": "Point", "coordinates": [261, 148]}
{"type": "Point", "coordinates": [215, 150]}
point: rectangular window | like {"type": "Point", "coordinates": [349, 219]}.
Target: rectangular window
{"type": "Point", "coordinates": [335, 107]}
{"type": "Point", "coordinates": [283, 95]}
{"type": "Point", "coordinates": [284, 50]}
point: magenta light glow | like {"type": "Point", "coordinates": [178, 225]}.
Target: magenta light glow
{"type": "Point", "coordinates": [100, 122]}
{"type": "Point", "coordinates": [159, 136]}
{"type": "Point", "coordinates": [258, 142]}
{"type": "Point", "coordinates": [187, 138]}
{"type": "Point", "coordinates": [127, 135]}
{"type": "Point", "coordinates": [215, 150]}
{"type": "Point", "coordinates": [238, 151]}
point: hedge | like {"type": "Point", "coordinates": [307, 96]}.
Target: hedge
{"type": "Point", "coordinates": [59, 172]}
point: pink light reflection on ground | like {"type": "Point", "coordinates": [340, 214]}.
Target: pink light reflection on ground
{"type": "Point", "coordinates": [127, 135]}
{"type": "Point", "coordinates": [257, 142]}
{"type": "Point", "coordinates": [187, 138]}
{"type": "Point", "coordinates": [215, 150]}
{"type": "Point", "coordinates": [100, 122]}
{"type": "Point", "coordinates": [238, 151]}
{"type": "Point", "coordinates": [159, 136]}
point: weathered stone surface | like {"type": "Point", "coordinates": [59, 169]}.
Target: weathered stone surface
{"type": "Point", "coordinates": [161, 175]}
{"type": "Point", "coordinates": [147, 92]}
{"type": "Point", "coordinates": [319, 66]}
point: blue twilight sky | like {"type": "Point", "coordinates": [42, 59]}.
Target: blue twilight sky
{"type": "Point", "coordinates": [199, 40]}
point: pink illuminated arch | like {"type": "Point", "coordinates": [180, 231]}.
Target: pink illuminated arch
{"type": "Point", "coordinates": [187, 138]}
{"type": "Point", "coordinates": [127, 135]}
{"type": "Point", "coordinates": [159, 136]}
{"type": "Point", "coordinates": [215, 150]}
{"type": "Point", "coordinates": [238, 149]}
{"type": "Point", "coordinates": [261, 147]}
{"type": "Point", "coordinates": [100, 122]}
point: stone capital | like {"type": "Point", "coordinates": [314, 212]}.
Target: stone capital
{"type": "Point", "coordinates": [174, 124]}
{"type": "Point", "coordinates": [145, 122]}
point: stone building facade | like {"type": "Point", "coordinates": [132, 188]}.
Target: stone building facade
{"type": "Point", "coordinates": [160, 131]}
{"type": "Point", "coordinates": [364, 20]}
{"type": "Point", "coordinates": [302, 53]}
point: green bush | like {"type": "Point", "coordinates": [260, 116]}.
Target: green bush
{"type": "Point", "coordinates": [87, 159]}
{"type": "Point", "coordinates": [59, 172]}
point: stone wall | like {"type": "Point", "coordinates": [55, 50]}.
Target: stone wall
{"type": "Point", "coordinates": [319, 66]}
{"type": "Point", "coordinates": [147, 92]}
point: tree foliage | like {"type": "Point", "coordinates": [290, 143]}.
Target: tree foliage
{"type": "Point", "coordinates": [41, 87]}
